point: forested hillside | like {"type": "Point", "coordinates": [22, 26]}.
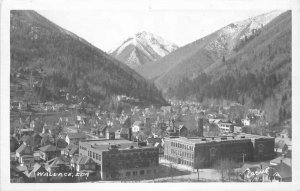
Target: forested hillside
{"type": "Point", "coordinates": [258, 73]}
{"type": "Point", "coordinates": [46, 59]}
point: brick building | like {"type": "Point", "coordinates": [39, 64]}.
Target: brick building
{"type": "Point", "coordinates": [121, 159]}
{"type": "Point", "coordinates": [200, 152]}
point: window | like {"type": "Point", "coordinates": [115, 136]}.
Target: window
{"type": "Point", "coordinates": [142, 172]}
{"type": "Point", "coordinates": [148, 171]}
{"type": "Point", "coordinates": [134, 173]}
{"type": "Point", "coordinates": [93, 155]}
{"type": "Point", "coordinates": [97, 156]}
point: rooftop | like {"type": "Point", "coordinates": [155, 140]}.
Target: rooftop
{"type": "Point", "coordinates": [106, 144]}
{"type": "Point", "coordinates": [76, 135]}
{"type": "Point", "coordinates": [48, 148]}
{"type": "Point", "coordinates": [195, 140]}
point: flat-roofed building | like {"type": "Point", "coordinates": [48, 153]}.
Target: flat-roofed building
{"type": "Point", "coordinates": [201, 152]}
{"type": "Point", "coordinates": [226, 127]}
{"type": "Point", "coordinates": [121, 159]}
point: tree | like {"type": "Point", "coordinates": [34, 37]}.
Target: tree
{"type": "Point", "coordinates": [226, 168]}
{"type": "Point", "coordinates": [223, 59]}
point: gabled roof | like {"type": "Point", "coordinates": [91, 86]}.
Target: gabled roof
{"type": "Point", "coordinates": [278, 160]}
{"type": "Point", "coordinates": [182, 127]}
{"type": "Point", "coordinates": [103, 127]}
{"type": "Point", "coordinates": [25, 138]}
{"type": "Point", "coordinates": [83, 160]}
{"type": "Point", "coordinates": [113, 129]}
{"type": "Point", "coordinates": [48, 148]}
{"type": "Point", "coordinates": [72, 148]}
{"type": "Point", "coordinates": [22, 168]}
{"type": "Point", "coordinates": [124, 131]}
{"type": "Point", "coordinates": [76, 135]}
{"type": "Point", "coordinates": [36, 135]}
{"type": "Point", "coordinates": [154, 140]}
{"type": "Point", "coordinates": [22, 148]}
{"type": "Point", "coordinates": [36, 167]}
{"type": "Point", "coordinates": [284, 170]}
{"type": "Point", "coordinates": [50, 127]}
{"type": "Point", "coordinates": [61, 160]}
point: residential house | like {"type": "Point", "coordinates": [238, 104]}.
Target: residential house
{"type": "Point", "coordinates": [27, 160]}
{"type": "Point", "coordinates": [71, 150]}
{"type": "Point", "coordinates": [51, 129]}
{"type": "Point", "coordinates": [58, 164]}
{"type": "Point", "coordinates": [61, 143]}
{"type": "Point", "coordinates": [123, 133]}
{"type": "Point", "coordinates": [152, 140]}
{"type": "Point", "coordinates": [284, 172]}
{"type": "Point", "coordinates": [33, 140]}
{"type": "Point", "coordinates": [49, 152]}
{"type": "Point", "coordinates": [246, 121]}
{"type": "Point", "coordinates": [46, 139]}
{"type": "Point", "coordinates": [75, 137]}
{"type": "Point", "coordinates": [226, 127]}
{"type": "Point", "coordinates": [36, 174]}
{"type": "Point", "coordinates": [84, 163]}
{"type": "Point", "coordinates": [111, 132]}
{"type": "Point", "coordinates": [137, 126]}
{"type": "Point", "coordinates": [23, 150]}
{"type": "Point", "coordinates": [283, 145]}
{"type": "Point", "coordinates": [182, 131]}
{"type": "Point", "coordinates": [237, 128]}
{"type": "Point", "coordinates": [281, 159]}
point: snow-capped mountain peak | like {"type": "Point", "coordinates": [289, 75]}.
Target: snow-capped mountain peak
{"type": "Point", "coordinates": [230, 35]}
{"type": "Point", "coordinates": [143, 47]}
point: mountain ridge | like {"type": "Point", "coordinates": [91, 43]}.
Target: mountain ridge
{"type": "Point", "coordinates": [194, 57]}
{"type": "Point", "coordinates": [142, 48]}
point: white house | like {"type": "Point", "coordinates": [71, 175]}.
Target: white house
{"type": "Point", "coordinates": [246, 122]}
{"type": "Point", "coordinates": [137, 126]}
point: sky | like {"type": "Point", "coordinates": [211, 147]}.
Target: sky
{"type": "Point", "coordinates": [108, 29]}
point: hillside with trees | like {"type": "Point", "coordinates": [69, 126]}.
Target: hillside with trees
{"type": "Point", "coordinates": [257, 74]}
{"type": "Point", "coordinates": [46, 60]}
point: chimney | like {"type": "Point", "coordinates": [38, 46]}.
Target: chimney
{"type": "Point", "coordinates": [129, 133]}
{"type": "Point", "coordinates": [200, 127]}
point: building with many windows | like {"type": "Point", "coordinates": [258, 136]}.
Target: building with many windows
{"type": "Point", "coordinates": [121, 159]}
{"type": "Point", "coordinates": [201, 152]}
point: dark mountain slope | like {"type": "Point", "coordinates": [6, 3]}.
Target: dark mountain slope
{"type": "Point", "coordinates": [48, 59]}
{"type": "Point", "coordinates": [258, 74]}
